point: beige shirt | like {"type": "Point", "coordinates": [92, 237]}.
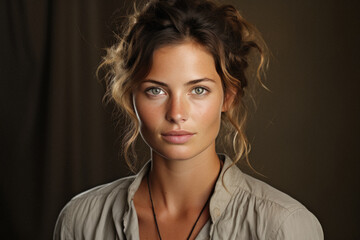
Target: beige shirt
{"type": "Point", "coordinates": [246, 209]}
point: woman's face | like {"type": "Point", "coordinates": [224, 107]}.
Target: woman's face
{"type": "Point", "coordinates": [179, 103]}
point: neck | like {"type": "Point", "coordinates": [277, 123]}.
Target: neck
{"type": "Point", "coordinates": [183, 184]}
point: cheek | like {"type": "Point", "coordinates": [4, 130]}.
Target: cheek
{"type": "Point", "coordinates": [148, 113]}
{"type": "Point", "coordinates": [209, 113]}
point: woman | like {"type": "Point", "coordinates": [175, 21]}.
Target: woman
{"type": "Point", "coordinates": [179, 73]}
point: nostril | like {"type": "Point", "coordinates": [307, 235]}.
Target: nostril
{"type": "Point", "coordinates": [176, 118]}
{"type": "Point", "coordinates": [177, 111]}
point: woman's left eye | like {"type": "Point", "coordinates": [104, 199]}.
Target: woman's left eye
{"type": "Point", "coordinates": [199, 91]}
{"type": "Point", "coordinates": [154, 91]}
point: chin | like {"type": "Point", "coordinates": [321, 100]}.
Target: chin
{"type": "Point", "coordinates": [177, 152]}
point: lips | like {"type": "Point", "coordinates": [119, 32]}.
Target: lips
{"type": "Point", "coordinates": [177, 137]}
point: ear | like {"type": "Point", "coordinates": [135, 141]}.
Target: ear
{"type": "Point", "coordinates": [228, 99]}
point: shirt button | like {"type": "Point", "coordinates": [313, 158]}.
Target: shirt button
{"type": "Point", "coordinates": [217, 212]}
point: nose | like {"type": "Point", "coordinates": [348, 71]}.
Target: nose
{"type": "Point", "coordinates": [177, 110]}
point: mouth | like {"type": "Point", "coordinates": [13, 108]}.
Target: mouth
{"type": "Point", "coordinates": [177, 137]}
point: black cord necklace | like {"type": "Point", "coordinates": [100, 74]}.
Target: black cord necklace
{"type": "Point", "coordinates": [153, 209]}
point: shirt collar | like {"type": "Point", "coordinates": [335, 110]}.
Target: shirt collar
{"type": "Point", "coordinates": [228, 181]}
{"type": "Point", "coordinates": [137, 181]}
{"type": "Point", "coordinates": [129, 218]}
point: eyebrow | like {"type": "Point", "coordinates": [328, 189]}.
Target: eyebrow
{"type": "Point", "coordinates": [192, 82]}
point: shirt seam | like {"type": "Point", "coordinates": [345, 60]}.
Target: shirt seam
{"type": "Point", "coordinates": [298, 205]}
{"type": "Point", "coordinates": [100, 192]}
{"type": "Point", "coordinates": [68, 220]}
{"type": "Point", "coordinates": [276, 233]}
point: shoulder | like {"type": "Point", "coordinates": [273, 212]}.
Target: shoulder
{"type": "Point", "coordinates": [87, 209]}
{"type": "Point", "coordinates": [276, 213]}
{"type": "Point", "coordinates": [104, 192]}
{"type": "Point", "coordinates": [243, 207]}
{"type": "Point", "coordinates": [266, 194]}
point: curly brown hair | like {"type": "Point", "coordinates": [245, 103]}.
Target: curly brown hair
{"type": "Point", "coordinates": [220, 29]}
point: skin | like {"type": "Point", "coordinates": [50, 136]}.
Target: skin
{"type": "Point", "coordinates": [182, 92]}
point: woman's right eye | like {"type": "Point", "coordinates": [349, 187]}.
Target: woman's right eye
{"type": "Point", "coordinates": [154, 91]}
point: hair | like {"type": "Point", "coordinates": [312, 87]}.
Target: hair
{"type": "Point", "coordinates": [220, 29]}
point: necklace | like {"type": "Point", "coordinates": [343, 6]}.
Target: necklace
{"type": "Point", "coordinates": [153, 209]}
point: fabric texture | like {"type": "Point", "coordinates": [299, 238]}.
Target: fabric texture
{"type": "Point", "coordinates": [246, 208]}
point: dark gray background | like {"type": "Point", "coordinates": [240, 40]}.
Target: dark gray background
{"type": "Point", "coordinates": [58, 139]}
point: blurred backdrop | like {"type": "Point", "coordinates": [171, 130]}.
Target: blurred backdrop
{"type": "Point", "coordinates": [58, 138]}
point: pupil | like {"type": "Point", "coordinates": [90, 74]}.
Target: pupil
{"type": "Point", "coordinates": [198, 90]}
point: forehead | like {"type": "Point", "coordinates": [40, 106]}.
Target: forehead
{"type": "Point", "coordinates": [182, 62]}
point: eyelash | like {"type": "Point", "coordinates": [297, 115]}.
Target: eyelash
{"type": "Point", "coordinates": [150, 89]}
{"type": "Point", "coordinates": [205, 91]}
